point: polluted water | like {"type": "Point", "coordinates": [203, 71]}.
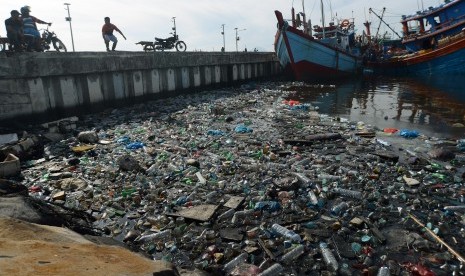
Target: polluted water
{"type": "Point", "coordinates": [248, 181]}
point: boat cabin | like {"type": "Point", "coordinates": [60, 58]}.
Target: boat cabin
{"type": "Point", "coordinates": [430, 28]}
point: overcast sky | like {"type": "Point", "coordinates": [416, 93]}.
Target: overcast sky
{"type": "Point", "coordinates": [198, 21]}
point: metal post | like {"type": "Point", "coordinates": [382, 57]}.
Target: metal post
{"type": "Point", "coordinates": [237, 38]}
{"type": "Point", "coordinates": [224, 40]}
{"type": "Point", "coordinates": [70, 27]}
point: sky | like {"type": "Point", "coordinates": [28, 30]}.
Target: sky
{"type": "Point", "coordinates": [199, 22]}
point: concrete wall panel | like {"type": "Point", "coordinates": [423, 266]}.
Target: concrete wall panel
{"type": "Point", "coordinates": [171, 80]}
{"type": "Point", "coordinates": [235, 73]}
{"type": "Point", "coordinates": [138, 83]}
{"type": "Point", "coordinates": [156, 82]}
{"type": "Point", "coordinates": [185, 78]}
{"type": "Point", "coordinates": [217, 75]}
{"type": "Point", "coordinates": [208, 75]}
{"type": "Point", "coordinates": [69, 93]}
{"type": "Point", "coordinates": [197, 76]}
{"type": "Point", "coordinates": [95, 89]}
{"type": "Point", "coordinates": [118, 86]}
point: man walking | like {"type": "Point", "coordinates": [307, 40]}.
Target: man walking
{"type": "Point", "coordinates": [14, 31]}
{"type": "Point", "coordinates": [107, 34]}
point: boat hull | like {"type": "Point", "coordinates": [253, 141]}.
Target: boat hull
{"type": "Point", "coordinates": [447, 60]}
{"type": "Point", "coordinates": [307, 58]}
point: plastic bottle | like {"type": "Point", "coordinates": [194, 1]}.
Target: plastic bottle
{"type": "Point", "coordinates": [211, 196]}
{"type": "Point", "coordinates": [155, 236]}
{"type": "Point", "coordinates": [283, 231]}
{"type": "Point", "coordinates": [229, 267]}
{"type": "Point", "coordinates": [383, 271]}
{"type": "Point", "coordinates": [329, 177]}
{"type": "Point", "coordinates": [302, 178]}
{"type": "Point", "coordinates": [293, 254]}
{"type": "Point", "coordinates": [313, 198]}
{"type": "Point", "coordinates": [328, 257]}
{"type": "Point", "coordinates": [272, 270]}
{"type": "Point", "coordinates": [226, 214]}
{"type": "Point", "coordinates": [271, 206]}
{"type": "Point", "coordinates": [454, 208]}
{"type": "Point", "coordinates": [348, 193]}
{"type": "Point", "coordinates": [339, 208]}
{"type": "Point", "coordinates": [241, 215]}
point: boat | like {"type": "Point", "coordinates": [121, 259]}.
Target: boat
{"type": "Point", "coordinates": [433, 43]}
{"type": "Point", "coordinates": [317, 52]}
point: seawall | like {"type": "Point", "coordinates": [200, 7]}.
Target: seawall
{"type": "Point", "coordinates": [34, 84]}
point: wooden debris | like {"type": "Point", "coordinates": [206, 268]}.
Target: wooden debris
{"type": "Point", "coordinates": [234, 202]}
{"type": "Point", "coordinates": [200, 212]}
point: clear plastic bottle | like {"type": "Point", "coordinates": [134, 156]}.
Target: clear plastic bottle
{"type": "Point", "coordinates": [229, 267]}
{"type": "Point", "coordinates": [240, 215]}
{"type": "Point", "coordinates": [273, 270]}
{"type": "Point", "coordinates": [383, 271]}
{"type": "Point", "coordinates": [339, 208]}
{"type": "Point", "coordinates": [283, 231]}
{"type": "Point", "coordinates": [454, 208]}
{"type": "Point", "coordinates": [348, 193]}
{"type": "Point", "coordinates": [226, 214]}
{"type": "Point", "coordinates": [155, 236]}
{"type": "Point", "coordinates": [328, 257]}
{"type": "Point", "coordinates": [313, 198]}
{"type": "Point", "coordinates": [293, 254]}
{"type": "Point", "coordinates": [302, 178]}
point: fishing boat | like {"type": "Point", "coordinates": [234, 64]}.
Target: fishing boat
{"type": "Point", "coordinates": [433, 43]}
{"type": "Point", "coordinates": [316, 52]}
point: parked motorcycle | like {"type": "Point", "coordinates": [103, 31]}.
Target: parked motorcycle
{"type": "Point", "coordinates": [50, 38]}
{"type": "Point", "coordinates": [169, 43]}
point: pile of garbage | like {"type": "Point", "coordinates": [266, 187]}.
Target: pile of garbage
{"type": "Point", "coordinates": [248, 181]}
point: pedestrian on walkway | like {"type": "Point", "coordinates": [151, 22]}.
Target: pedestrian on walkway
{"type": "Point", "coordinates": [107, 34]}
{"type": "Point", "coordinates": [14, 31]}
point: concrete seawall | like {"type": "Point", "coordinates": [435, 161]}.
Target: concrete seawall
{"type": "Point", "coordinates": [34, 84]}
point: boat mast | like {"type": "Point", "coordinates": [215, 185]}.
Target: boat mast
{"type": "Point", "coordinates": [304, 19]}
{"type": "Point", "coordinates": [322, 18]}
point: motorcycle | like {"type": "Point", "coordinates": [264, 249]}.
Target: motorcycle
{"type": "Point", "coordinates": [162, 44]}
{"type": "Point", "coordinates": [50, 38]}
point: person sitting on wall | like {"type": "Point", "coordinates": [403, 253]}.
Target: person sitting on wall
{"type": "Point", "coordinates": [107, 34]}
{"type": "Point", "coordinates": [14, 31]}
{"type": "Point", "coordinates": [31, 34]}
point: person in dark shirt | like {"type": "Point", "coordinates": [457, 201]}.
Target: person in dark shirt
{"type": "Point", "coordinates": [107, 34]}
{"type": "Point", "coordinates": [14, 31]}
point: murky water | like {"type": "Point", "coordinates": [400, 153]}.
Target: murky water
{"type": "Point", "coordinates": [434, 107]}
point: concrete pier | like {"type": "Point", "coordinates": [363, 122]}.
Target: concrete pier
{"type": "Point", "coordinates": [34, 84]}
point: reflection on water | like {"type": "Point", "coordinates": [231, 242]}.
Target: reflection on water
{"type": "Point", "coordinates": [434, 107]}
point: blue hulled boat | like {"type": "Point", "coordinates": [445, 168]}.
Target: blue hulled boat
{"type": "Point", "coordinates": [321, 52]}
{"type": "Point", "coordinates": [433, 43]}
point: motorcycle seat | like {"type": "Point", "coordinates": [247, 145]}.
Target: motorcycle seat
{"type": "Point", "coordinates": [165, 39]}
{"type": "Point", "coordinates": [145, 43]}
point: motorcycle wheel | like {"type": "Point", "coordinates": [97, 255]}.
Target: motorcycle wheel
{"type": "Point", "coordinates": [148, 48]}
{"type": "Point", "coordinates": [181, 46]}
{"type": "Point", "coordinates": [59, 46]}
